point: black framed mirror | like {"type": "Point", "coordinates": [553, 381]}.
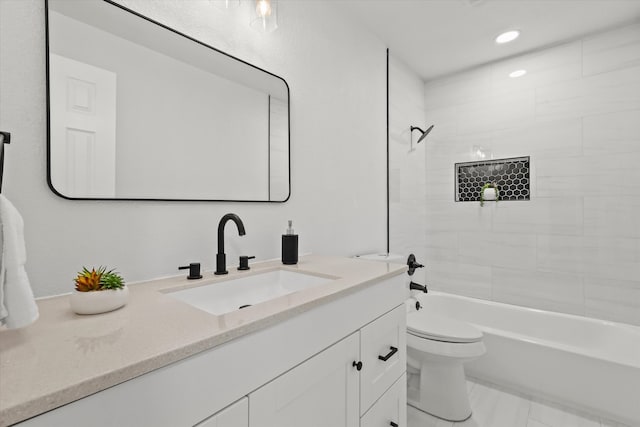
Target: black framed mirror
{"type": "Point", "coordinates": [140, 111]}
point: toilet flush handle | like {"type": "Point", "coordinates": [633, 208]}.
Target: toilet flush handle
{"type": "Point", "coordinates": [357, 365]}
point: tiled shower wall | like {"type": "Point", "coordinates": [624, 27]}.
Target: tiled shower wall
{"type": "Point", "coordinates": [575, 246]}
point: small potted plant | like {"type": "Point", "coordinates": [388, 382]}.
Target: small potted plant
{"type": "Point", "coordinates": [98, 291]}
{"type": "Point", "coordinates": [488, 192]}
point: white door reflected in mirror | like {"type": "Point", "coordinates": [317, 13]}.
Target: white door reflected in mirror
{"type": "Point", "coordinates": [83, 128]}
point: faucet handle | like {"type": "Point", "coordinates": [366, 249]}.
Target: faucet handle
{"type": "Point", "coordinates": [244, 262]}
{"type": "Point", "coordinates": [194, 270]}
{"type": "Point", "coordinates": [412, 264]}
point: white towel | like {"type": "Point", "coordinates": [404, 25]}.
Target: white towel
{"type": "Point", "coordinates": [17, 305]}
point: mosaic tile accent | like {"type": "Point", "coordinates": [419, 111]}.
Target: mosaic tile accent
{"type": "Point", "coordinates": [510, 175]}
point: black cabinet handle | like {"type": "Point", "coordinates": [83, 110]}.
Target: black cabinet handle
{"type": "Point", "coordinates": [392, 424]}
{"type": "Point", "coordinates": [358, 365]}
{"type": "Point", "coordinates": [393, 351]}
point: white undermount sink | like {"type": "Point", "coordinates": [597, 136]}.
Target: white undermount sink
{"type": "Point", "coordinates": [230, 295]}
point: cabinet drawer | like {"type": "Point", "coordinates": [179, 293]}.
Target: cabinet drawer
{"type": "Point", "coordinates": [391, 408]}
{"type": "Point", "coordinates": [384, 338]}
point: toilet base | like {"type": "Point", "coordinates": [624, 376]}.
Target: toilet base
{"type": "Point", "coordinates": [442, 390]}
{"type": "Point", "coordinates": [435, 416]}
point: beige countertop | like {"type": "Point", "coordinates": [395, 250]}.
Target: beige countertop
{"type": "Point", "coordinates": [64, 356]}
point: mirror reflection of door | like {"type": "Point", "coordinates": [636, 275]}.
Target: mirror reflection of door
{"type": "Point", "coordinates": [83, 128]}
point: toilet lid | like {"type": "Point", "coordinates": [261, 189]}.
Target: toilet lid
{"type": "Point", "coordinates": [430, 326]}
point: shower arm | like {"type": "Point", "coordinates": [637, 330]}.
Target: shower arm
{"type": "Point", "coordinates": [423, 133]}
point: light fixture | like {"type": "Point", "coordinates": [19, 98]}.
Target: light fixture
{"type": "Point", "coordinates": [507, 37]}
{"type": "Point", "coordinates": [265, 16]}
{"type": "Point", "coordinates": [517, 73]}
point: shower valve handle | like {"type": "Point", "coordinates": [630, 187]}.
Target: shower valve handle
{"type": "Point", "coordinates": [412, 264]}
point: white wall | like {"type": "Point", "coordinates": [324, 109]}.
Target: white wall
{"type": "Point", "coordinates": [575, 246]}
{"type": "Point", "coordinates": [336, 73]}
{"type": "Point", "coordinates": [406, 164]}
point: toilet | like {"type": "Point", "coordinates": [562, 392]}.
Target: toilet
{"type": "Point", "coordinates": [437, 348]}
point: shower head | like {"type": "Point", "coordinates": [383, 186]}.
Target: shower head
{"type": "Point", "coordinates": [423, 132]}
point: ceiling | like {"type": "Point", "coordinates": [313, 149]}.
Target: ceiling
{"type": "Point", "coordinates": [440, 37]}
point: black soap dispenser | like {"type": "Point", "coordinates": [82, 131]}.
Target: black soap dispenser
{"type": "Point", "coordinates": [290, 246]}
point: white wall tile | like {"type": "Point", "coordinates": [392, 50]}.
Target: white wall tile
{"type": "Point", "coordinates": [553, 139]}
{"type": "Point", "coordinates": [464, 279]}
{"type": "Point", "coordinates": [612, 50]}
{"type": "Point", "coordinates": [617, 300]}
{"type": "Point", "coordinates": [612, 216]}
{"type": "Point", "coordinates": [458, 89]}
{"type": "Point", "coordinates": [498, 111]}
{"type": "Point", "coordinates": [509, 250]}
{"type": "Point", "coordinates": [445, 120]}
{"type": "Point", "coordinates": [563, 254]}
{"type": "Point", "coordinates": [513, 250]}
{"type": "Point", "coordinates": [440, 184]}
{"type": "Point", "coordinates": [475, 247]}
{"type": "Point", "coordinates": [615, 258]}
{"type": "Point", "coordinates": [561, 292]}
{"type": "Point", "coordinates": [618, 90]}
{"type": "Point", "coordinates": [448, 215]}
{"type": "Point", "coordinates": [441, 246]}
{"type": "Point", "coordinates": [540, 216]}
{"type": "Point", "coordinates": [617, 132]}
{"type": "Point", "coordinates": [605, 174]}
{"type": "Point", "coordinates": [557, 64]}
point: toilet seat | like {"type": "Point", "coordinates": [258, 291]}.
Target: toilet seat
{"type": "Point", "coordinates": [429, 326]}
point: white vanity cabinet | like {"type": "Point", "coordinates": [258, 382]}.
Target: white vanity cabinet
{"type": "Point", "coordinates": [330, 390]}
{"type": "Point", "coordinates": [391, 409]}
{"type": "Point", "coordinates": [297, 372]}
{"type": "Point", "coordinates": [235, 415]}
{"type": "Point", "coordinates": [320, 392]}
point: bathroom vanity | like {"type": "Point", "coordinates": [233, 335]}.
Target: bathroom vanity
{"type": "Point", "coordinates": [331, 354]}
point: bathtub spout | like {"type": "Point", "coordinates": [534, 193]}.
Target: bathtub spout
{"type": "Point", "coordinates": [418, 287]}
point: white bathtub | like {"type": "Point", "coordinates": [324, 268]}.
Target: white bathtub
{"type": "Point", "coordinates": [588, 364]}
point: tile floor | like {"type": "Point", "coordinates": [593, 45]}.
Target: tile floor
{"type": "Point", "coordinates": [493, 407]}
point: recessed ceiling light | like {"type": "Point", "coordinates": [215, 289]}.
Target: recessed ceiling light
{"type": "Point", "coordinates": [517, 73]}
{"type": "Point", "coordinates": [507, 37]}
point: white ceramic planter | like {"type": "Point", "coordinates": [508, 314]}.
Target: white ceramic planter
{"type": "Point", "coordinates": [490, 194]}
{"type": "Point", "coordinates": [95, 302]}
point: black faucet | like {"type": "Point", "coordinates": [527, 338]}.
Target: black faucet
{"type": "Point", "coordinates": [418, 287]}
{"type": "Point", "coordinates": [221, 257]}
